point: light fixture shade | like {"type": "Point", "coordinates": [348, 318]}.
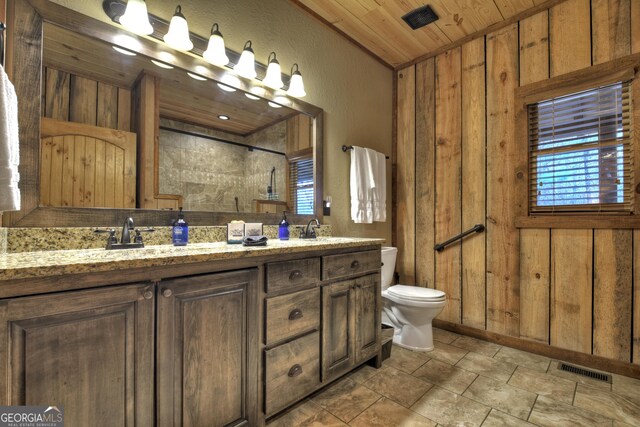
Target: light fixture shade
{"type": "Point", "coordinates": [136, 18]}
{"type": "Point", "coordinates": [246, 66]}
{"type": "Point", "coordinates": [273, 79]}
{"type": "Point", "coordinates": [178, 35]}
{"type": "Point", "coordinates": [296, 85]}
{"type": "Point", "coordinates": [216, 53]}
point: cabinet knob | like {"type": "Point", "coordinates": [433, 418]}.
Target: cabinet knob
{"type": "Point", "coordinates": [295, 370]}
{"type": "Point", "coordinates": [148, 294]}
{"type": "Point", "coordinates": [167, 293]}
{"type": "Point", "coordinates": [295, 314]}
{"type": "Point", "coordinates": [355, 264]}
{"type": "Point", "coordinates": [295, 274]}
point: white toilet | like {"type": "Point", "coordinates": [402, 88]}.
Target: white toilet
{"type": "Point", "coordinates": [409, 309]}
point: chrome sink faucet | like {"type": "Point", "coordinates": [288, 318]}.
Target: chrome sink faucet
{"type": "Point", "coordinates": [127, 228]}
{"type": "Point", "coordinates": [310, 232]}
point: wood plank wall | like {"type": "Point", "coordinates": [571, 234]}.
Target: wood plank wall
{"type": "Point", "coordinates": [79, 99]}
{"type": "Point", "coordinates": [577, 289]}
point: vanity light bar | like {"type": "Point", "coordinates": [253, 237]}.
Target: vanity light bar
{"type": "Point", "coordinates": [116, 9]}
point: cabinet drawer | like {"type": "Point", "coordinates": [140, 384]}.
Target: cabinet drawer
{"type": "Point", "coordinates": [335, 266]}
{"type": "Point", "coordinates": [289, 276]}
{"type": "Point", "coordinates": [291, 371]}
{"type": "Point", "coordinates": [288, 315]}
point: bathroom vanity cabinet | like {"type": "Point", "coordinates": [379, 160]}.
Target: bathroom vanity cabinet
{"type": "Point", "coordinates": [93, 352]}
{"type": "Point", "coordinates": [215, 342]}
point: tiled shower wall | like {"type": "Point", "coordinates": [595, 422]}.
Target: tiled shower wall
{"type": "Point", "coordinates": [211, 174]}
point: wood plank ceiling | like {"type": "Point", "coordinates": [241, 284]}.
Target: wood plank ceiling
{"type": "Point", "coordinates": [377, 25]}
{"type": "Point", "coordinates": [181, 97]}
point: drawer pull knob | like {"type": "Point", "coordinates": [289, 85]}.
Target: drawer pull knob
{"type": "Point", "coordinates": [295, 370]}
{"type": "Point", "coordinates": [295, 314]}
{"type": "Point", "coordinates": [148, 295]}
{"type": "Point", "coordinates": [295, 274]}
{"type": "Point", "coordinates": [355, 264]}
{"type": "Point", "coordinates": [167, 293]}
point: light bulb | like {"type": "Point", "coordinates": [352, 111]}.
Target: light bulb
{"type": "Point", "coordinates": [296, 85]}
{"type": "Point", "coordinates": [246, 66]}
{"type": "Point", "coordinates": [273, 79]}
{"type": "Point", "coordinates": [216, 53]}
{"type": "Point", "coordinates": [136, 18]}
{"type": "Point", "coordinates": [178, 35]}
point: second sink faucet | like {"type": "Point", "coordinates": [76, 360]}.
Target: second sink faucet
{"type": "Point", "coordinates": [310, 232]}
{"type": "Point", "coordinates": [127, 228]}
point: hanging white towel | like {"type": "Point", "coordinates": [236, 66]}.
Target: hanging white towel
{"type": "Point", "coordinates": [361, 183]}
{"type": "Point", "coordinates": [9, 146]}
{"type": "Point", "coordinates": [379, 190]}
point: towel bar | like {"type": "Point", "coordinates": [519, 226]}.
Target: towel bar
{"type": "Point", "coordinates": [350, 147]}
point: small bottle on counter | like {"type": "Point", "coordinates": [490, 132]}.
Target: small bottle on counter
{"type": "Point", "coordinates": [180, 231]}
{"type": "Point", "coordinates": [283, 228]}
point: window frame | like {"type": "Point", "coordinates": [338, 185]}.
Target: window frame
{"type": "Point", "coordinates": [619, 70]}
{"type": "Point", "coordinates": [305, 154]}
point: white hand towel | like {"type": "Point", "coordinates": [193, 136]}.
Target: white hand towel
{"type": "Point", "coordinates": [361, 183]}
{"type": "Point", "coordinates": [379, 192]}
{"type": "Point", "coordinates": [9, 146]}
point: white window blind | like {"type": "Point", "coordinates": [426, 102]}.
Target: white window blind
{"type": "Point", "coordinates": [580, 157]}
{"type": "Point", "coordinates": [301, 192]}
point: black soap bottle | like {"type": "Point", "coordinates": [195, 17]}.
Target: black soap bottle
{"type": "Point", "coordinates": [283, 228]}
{"type": "Point", "coordinates": [180, 231]}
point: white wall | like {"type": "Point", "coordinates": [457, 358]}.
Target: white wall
{"type": "Point", "coordinates": [354, 89]}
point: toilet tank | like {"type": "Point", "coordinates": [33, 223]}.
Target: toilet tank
{"type": "Point", "coordinates": [388, 265]}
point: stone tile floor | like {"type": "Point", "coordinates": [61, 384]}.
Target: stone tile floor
{"type": "Point", "coordinates": [467, 382]}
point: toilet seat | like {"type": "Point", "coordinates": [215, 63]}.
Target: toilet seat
{"type": "Point", "coordinates": [415, 293]}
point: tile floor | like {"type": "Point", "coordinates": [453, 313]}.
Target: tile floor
{"type": "Point", "coordinates": [467, 382]}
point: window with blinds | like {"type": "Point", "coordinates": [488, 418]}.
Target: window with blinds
{"type": "Point", "coordinates": [580, 156]}
{"type": "Point", "coordinates": [301, 186]}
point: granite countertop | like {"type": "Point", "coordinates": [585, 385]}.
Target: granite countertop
{"type": "Point", "coordinates": [25, 265]}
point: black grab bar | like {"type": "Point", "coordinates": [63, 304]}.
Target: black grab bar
{"type": "Point", "coordinates": [478, 228]}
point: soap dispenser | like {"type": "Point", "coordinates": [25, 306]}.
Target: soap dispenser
{"type": "Point", "coordinates": [180, 232]}
{"type": "Point", "coordinates": [283, 228]}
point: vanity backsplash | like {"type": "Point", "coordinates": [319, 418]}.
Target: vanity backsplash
{"type": "Point", "coordinates": [14, 240]}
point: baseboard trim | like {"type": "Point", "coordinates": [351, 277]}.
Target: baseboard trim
{"type": "Point", "coordinates": [589, 360]}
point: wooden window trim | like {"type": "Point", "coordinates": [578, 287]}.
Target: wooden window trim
{"type": "Point", "coordinates": [618, 70]}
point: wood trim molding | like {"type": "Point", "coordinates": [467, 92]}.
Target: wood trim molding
{"type": "Point", "coordinates": [579, 222]}
{"type": "Point", "coordinates": [481, 33]}
{"type": "Point", "coordinates": [589, 360]}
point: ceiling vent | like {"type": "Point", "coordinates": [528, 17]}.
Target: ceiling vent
{"type": "Point", "coordinates": [420, 17]}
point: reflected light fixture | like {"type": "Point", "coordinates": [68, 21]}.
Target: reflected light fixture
{"type": "Point", "coordinates": [216, 53]}
{"type": "Point", "coordinates": [196, 76]}
{"type": "Point", "coordinates": [296, 85]}
{"type": "Point", "coordinates": [246, 66]}
{"type": "Point", "coordinates": [123, 51]}
{"type": "Point", "coordinates": [228, 82]}
{"type": "Point", "coordinates": [178, 35]}
{"type": "Point", "coordinates": [162, 64]}
{"type": "Point", "coordinates": [136, 18]}
{"type": "Point", "coordinates": [273, 78]}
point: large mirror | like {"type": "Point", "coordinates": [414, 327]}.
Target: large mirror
{"type": "Point", "coordinates": [151, 129]}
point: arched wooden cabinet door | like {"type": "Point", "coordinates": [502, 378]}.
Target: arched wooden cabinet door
{"type": "Point", "coordinates": [86, 166]}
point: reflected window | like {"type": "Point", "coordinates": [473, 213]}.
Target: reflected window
{"type": "Point", "coordinates": [301, 186]}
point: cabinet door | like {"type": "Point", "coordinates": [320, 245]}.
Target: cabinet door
{"type": "Point", "coordinates": [89, 351]}
{"type": "Point", "coordinates": [338, 322]}
{"type": "Point", "coordinates": [367, 317]}
{"type": "Point", "coordinates": [207, 364]}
